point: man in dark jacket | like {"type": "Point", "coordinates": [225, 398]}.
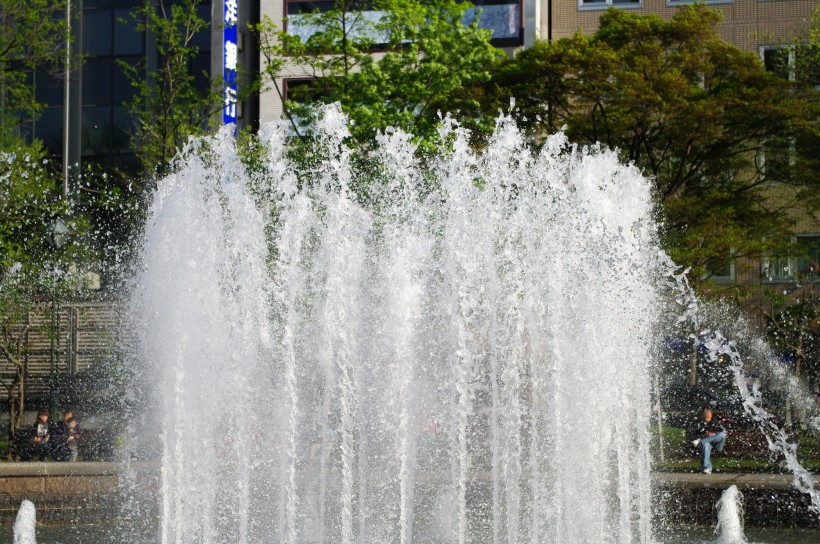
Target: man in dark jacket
{"type": "Point", "coordinates": [708, 434]}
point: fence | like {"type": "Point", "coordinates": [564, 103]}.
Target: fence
{"type": "Point", "coordinates": [69, 340]}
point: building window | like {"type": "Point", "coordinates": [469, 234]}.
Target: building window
{"type": "Point", "coordinates": [796, 62]}
{"type": "Point", "coordinates": [724, 272]}
{"type": "Point", "coordinates": [803, 264]}
{"type": "Point", "coordinates": [110, 35]}
{"type": "Point", "coordinates": [779, 157]}
{"type": "Point", "coordinates": [690, 2]}
{"type": "Point", "coordinates": [503, 17]}
{"type": "Point", "coordinates": [603, 4]}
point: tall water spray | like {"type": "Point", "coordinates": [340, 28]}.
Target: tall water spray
{"type": "Point", "coordinates": [395, 349]}
{"type": "Point", "coordinates": [25, 524]}
{"type": "Point", "coordinates": [730, 517]}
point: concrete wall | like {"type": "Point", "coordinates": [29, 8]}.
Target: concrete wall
{"type": "Point", "coordinates": [746, 23]}
{"type": "Point", "coordinates": [70, 493]}
{"type": "Point", "coordinates": [77, 493]}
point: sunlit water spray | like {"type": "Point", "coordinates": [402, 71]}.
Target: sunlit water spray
{"type": "Point", "coordinates": [717, 345]}
{"type": "Point", "coordinates": [448, 349]}
{"type": "Point", "coordinates": [730, 517]}
{"type": "Point", "coordinates": [25, 524]}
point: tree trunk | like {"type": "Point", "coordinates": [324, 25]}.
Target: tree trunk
{"type": "Point", "coordinates": [693, 365]}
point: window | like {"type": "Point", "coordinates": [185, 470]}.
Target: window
{"type": "Point", "coordinates": [359, 25]}
{"type": "Point", "coordinates": [724, 272]}
{"type": "Point", "coordinates": [603, 4]}
{"type": "Point", "coordinates": [689, 2]}
{"type": "Point", "coordinates": [503, 17]}
{"type": "Point", "coordinates": [802, 264]}
{"type": "Point", "coordinates": [109, 35]}
{"type": "Point", "coordinates": [775, 160]}
{"type": "Point", "coordinates": [797, 62]}
{"type": "Point", "coordinates": [780, 158]}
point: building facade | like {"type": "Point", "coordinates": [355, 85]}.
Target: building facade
{"type": "Point", "coordinates": [758, 26]}
{"type": "Point", "coordinates": [85, 121]}
{"type": "Point", "coordinates": [768, 28]}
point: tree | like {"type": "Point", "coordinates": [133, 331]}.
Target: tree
{"type": "Point", "coordinates": [172, 102]}
{"type": "Point", "coordinates": [14, 308]}
{"type": "Point", "coordinates": [30, 202]}
{"type": "Point", "coordinates": [33, 36]}
{"type": "Point", "coordinates": [792, 315]}
{"type": "Point", "coordinates": [702, 119]}
{"type": "Point", "coordinates": [395, 63]}
{"type": "Point", "coordinates": [806, 54]}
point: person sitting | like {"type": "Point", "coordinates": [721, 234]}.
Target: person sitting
{"type": "Point", "coordinates": [708, 434]}
{"type": "Point", "coordinates": [72, 439]}
{"type": "Point", "coordinates": [41, 447]}
{"type": "Point", "coordinates": [66, 437]}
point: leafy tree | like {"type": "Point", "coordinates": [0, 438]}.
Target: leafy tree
{"type": "Point", "coordinates": [703, 119]}
{"type": "Point", "coordinates": [794, 328]}
{"type": "Point", "coordinates": [792, 314]}
{"type": "Point", "coordinates": [30, 202]}
{"type": "Point", "coordinates": [33, 36]}
{"type": "Point", "coordinates": [806, 55]}
{"type": "Point", "coordinates": [14, 307]}
{"type": "Point", "coordinates": [172, 102]}
{"type": "Point", "coordinates": [396, 68]}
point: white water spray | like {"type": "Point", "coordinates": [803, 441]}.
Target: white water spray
{"type": "Point", "coordinates": [25, 526]}
{"type": "Point", "coordinates": [718, 346]}
{"type": "Point", "coordinates": [392, 349]}
{"type": "Point", "coordinates": [730, 517]}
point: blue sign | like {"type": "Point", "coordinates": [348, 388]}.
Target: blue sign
{"type": "Point", "coordinates": [230, 53]}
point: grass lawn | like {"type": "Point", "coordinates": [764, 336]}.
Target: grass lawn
{"type": "Point", "coordinates": [679, 457]}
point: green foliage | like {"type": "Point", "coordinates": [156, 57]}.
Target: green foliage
{"type": "Point", "coordinates": [425, 56]}
{"type": "Point", "coordinates": [169, 105]}
{"type": "Point", "coordinates": [34, 270]}
{"type": "Point", "coordinates": [31, 268]}
{"type": "Point", "coordinates": [712, 129]}
{"type": "Point", "coordinates": [793, 324]}
{"type": "Point", "coordinates": [30, 201]}
{"type": "Point", "coordinates": [807, 54]}
{"type": "Point", "coordinates": [33, 36]}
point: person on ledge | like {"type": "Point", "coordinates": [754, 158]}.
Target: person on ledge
{"type": "Point", "coordinates": [66, 438]}
{"type": "Point", "coordinates": [42, 434]}
{"type": "Point", "coordinates": [708, 434]}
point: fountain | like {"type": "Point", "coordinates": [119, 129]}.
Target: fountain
{"type": "Point", "coordinates": [400, 347]}
{"type": "Point", "coordinates": [25, 530]}
{"type": "Point", "coordinates": [463, 357]}
{"type": "Point", "coordinates": [730, 517]}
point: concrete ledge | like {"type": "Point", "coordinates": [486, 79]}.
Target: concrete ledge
{"type": "Point", "coordinates": [81, 468]}
{"type": "Point", "coordinates": [60, 469]}
{"type": "Point", "coordinates": [67, 493]}
{"type": "Point", "coordinates": [723, 481]}
{"type": "Point", "coordinates": [770, 500]}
